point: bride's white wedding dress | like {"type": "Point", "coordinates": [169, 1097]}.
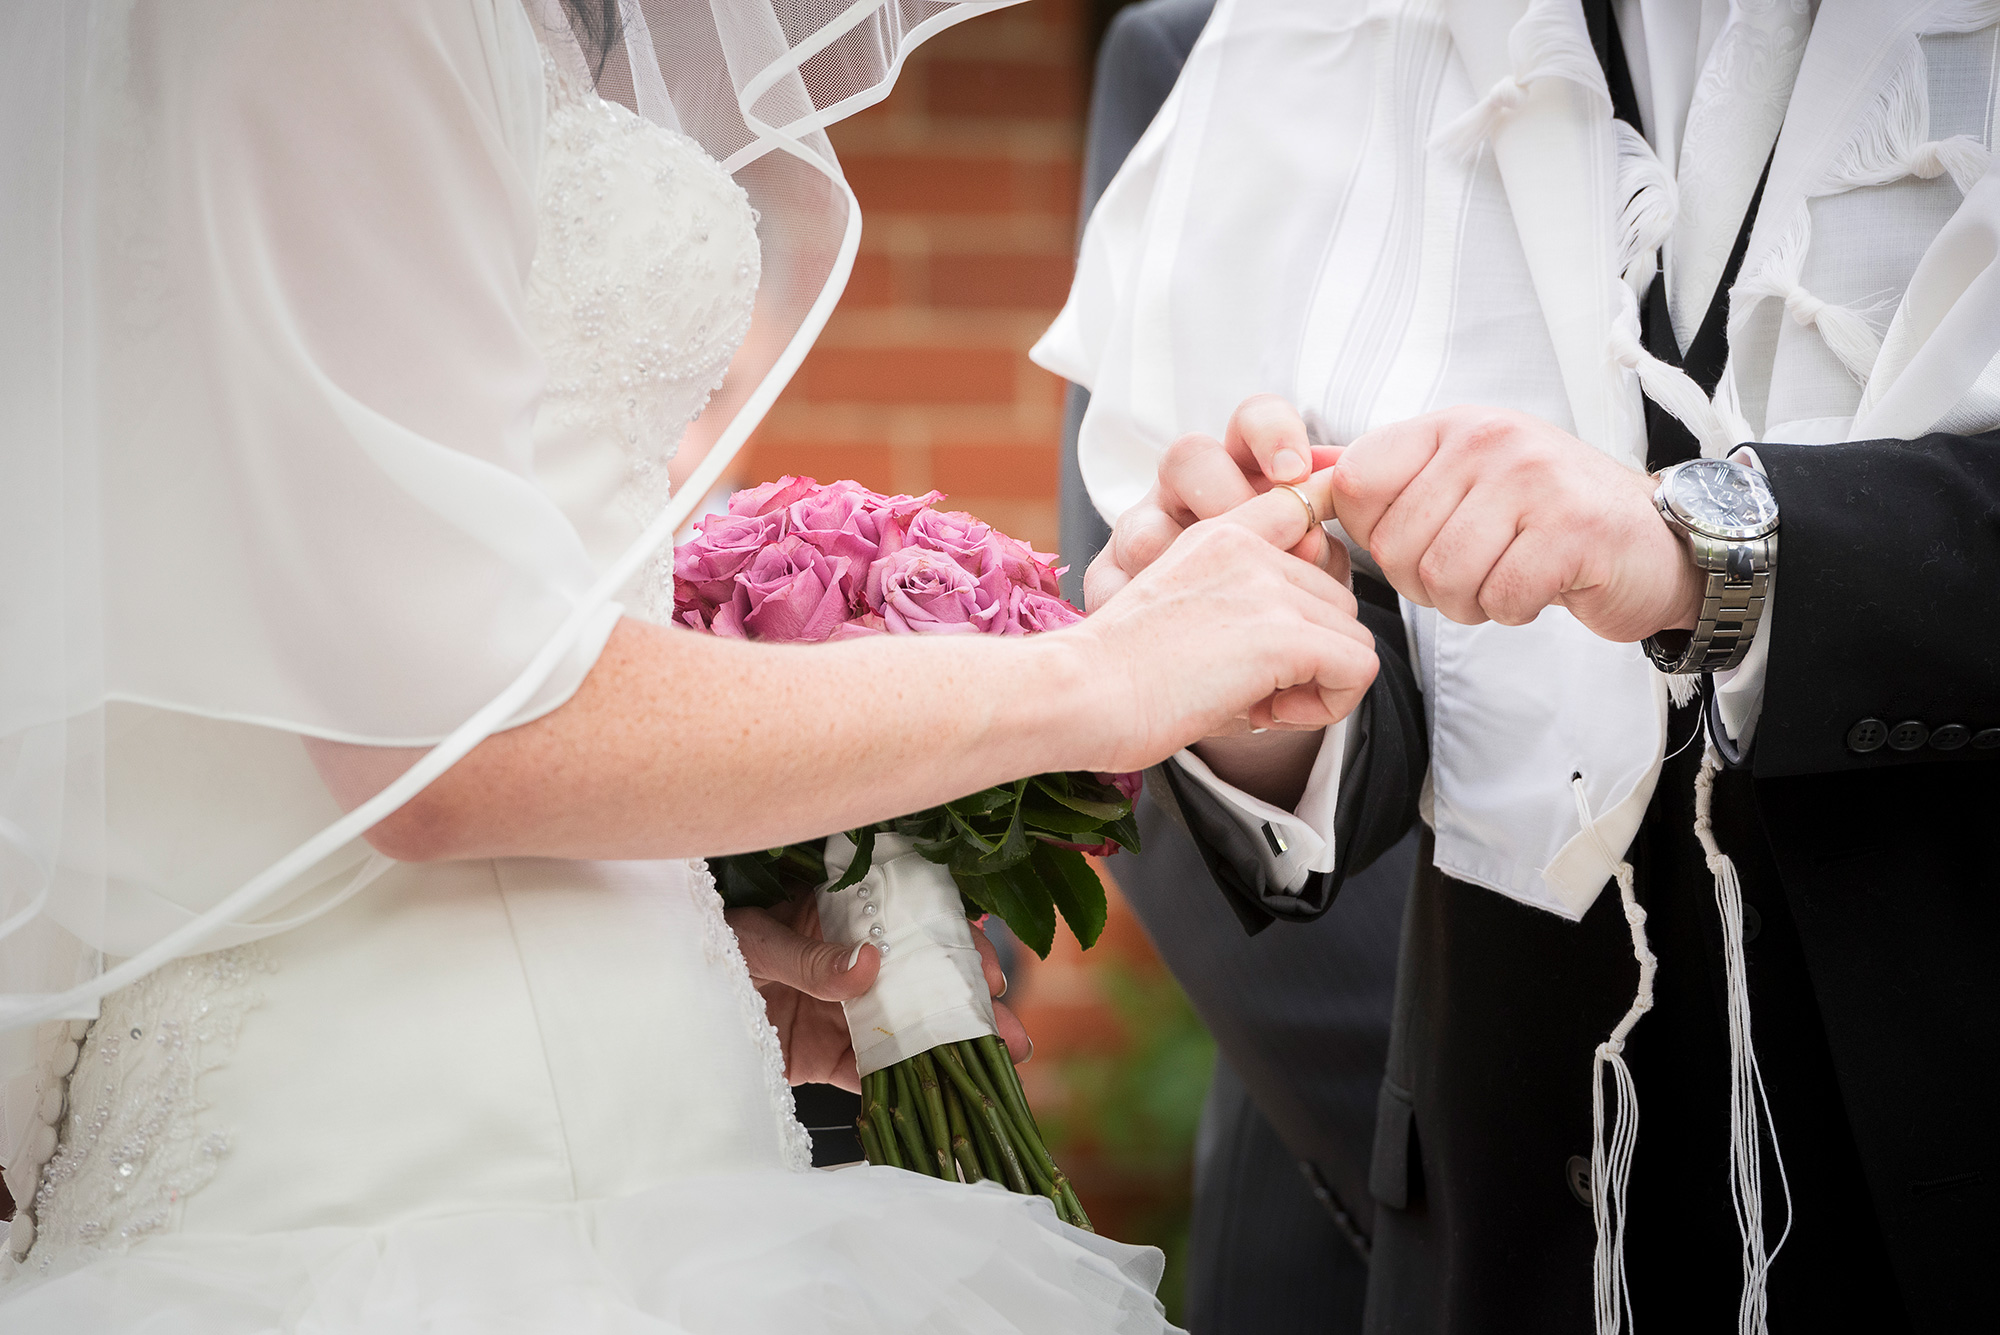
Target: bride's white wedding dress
{"type": "Point", "coordinates": [519, 1094]}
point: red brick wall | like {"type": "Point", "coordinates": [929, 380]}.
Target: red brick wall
{"type": "Point", "coordinates": [967, 176]}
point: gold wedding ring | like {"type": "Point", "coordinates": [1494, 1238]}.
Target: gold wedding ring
{"type": "Point", "coordinates": [1312, 512]}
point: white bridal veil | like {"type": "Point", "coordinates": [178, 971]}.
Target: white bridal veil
{"type": "Point", "coordinates": [265, 400]}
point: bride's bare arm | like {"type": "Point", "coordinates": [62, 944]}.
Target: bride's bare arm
{"type": "Point", "coordinates": [679, 744]}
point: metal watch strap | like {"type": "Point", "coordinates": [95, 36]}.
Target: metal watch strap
{"type": "Point", "coordinates": [1732, 604]}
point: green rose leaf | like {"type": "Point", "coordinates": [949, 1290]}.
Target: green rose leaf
{"type": "Point", "coordinates": [1075, 889]}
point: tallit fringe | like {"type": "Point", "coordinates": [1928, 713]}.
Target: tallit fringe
{"type": "Point", "coordinates": [1546, 42]}
{"type": "Point", "coordinates": [1890, 143]}
{"type": "Point", "coordinates": [1681, 687]}
{"type": "Point", "coordinates": [1670, 387]}
{"type": "Point", "coordinates": [1735, 424]}
{"type": "Point", "coordinates": [1963, 16]}
{"type": "Point", "coordinates": [1611, 1163]}
{"type": "Point", "coordinates": [1847, 334]}
{"type": "Point", "coordinates": [1749, 1109]}
{"type": "Point", "coordinates": [1651, 202]}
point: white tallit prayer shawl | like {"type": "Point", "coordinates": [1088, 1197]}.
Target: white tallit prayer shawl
{"type": "Point", "coordinates": [1381, 209]}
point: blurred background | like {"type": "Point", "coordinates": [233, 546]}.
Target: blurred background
{"type": "Point", "coordinates": [969, 177]}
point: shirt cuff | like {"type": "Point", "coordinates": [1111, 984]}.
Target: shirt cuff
{"type": "Point", "coordinates": [1291, 845]}
{"type": "Point", "coordinates": [1739, 692]}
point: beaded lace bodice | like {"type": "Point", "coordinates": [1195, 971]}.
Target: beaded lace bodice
{"type": "Point", "coordinates": [132, 1143]}
{"type": "Point", "coordinates": [643, 285]}
{"type": "Point", "coordinates": [642, 288]}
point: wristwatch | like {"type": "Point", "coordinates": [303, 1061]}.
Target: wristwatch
{"type": "Point", "coordinates": [1729, 518]}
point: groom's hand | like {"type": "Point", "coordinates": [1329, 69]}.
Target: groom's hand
{"type": "Point", "coordinates": [1492, 515]}
{"type": "Point", "coordinates": [803, 978]}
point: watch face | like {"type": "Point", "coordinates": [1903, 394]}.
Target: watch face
{"type": "Point", "coordinates": [1721, 499]}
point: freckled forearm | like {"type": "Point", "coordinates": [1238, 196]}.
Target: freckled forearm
{"type": "Point", "coordinates": [679, 745]}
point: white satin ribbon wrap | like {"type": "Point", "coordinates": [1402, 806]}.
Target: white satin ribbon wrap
{"type": "Point", "coordinates": [931, 989]}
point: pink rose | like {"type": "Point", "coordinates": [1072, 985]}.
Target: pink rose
{"type": "Point", "coordinates": [1027, 567]}
{"type": "Point", "coordinates": [958, 535]}
{"type": "Point", "coordinates": [1129, 783]}
{"type": "Point", "coordinates": [1031, 611]}
{"type": "Point", "coordinates": [975, 547]}
{"type": "Point", "coordinates": [920, 592]}
{"type": "Point", "coordinates": [902, 509]}
{"type": "Point", "coordinates": [772, 496]}
{"type": "Point", "coordinates": [705, 567]}
{"type": "Point", "coordinates": [841, 521]}
{"type": "Point", "coordinates": [790, 594]}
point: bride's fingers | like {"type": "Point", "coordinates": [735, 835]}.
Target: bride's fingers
{"type": "Point", "coordinates": [824, 969]}
{"type": "Point", "coordinates": [1019, 1046]}
{"type": "Point", "coordinates": [1200, 479]}
{"type": "Point", "coordinates": [1142, 534]}
{"type": "Point", "coordinates": [1271, 430]}
{"type": "Point", "coordinates": [989, 963]}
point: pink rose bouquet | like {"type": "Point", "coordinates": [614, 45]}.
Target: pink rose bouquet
{"type": "Point", "coordinates": [796, 562]}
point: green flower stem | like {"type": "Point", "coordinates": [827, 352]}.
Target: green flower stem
{"type": "Point", "coordinates": [982, 1139]}
{"type": "Point", "coordinates": [1076, 1214]}
{"type": "Point", "coordinates": [961, 1137]}
{"type": "Point", "coordinates": [871, 1148]}
{"type": "Point", "coordinates": [1024, 1141]}
{"type": "Point", "coordinates": [1041, 1164]}
{"type": "Point", "coordinates": [874, 1089]}
{"type": "Point", "coordinates": [1007, 1081]}
{"type": "Point", "coordinates": [930, 1107]}
{"type": "Point", "coordinates": [903, 1114]}
{"type": "Point", "coordinates": [989, 1112]}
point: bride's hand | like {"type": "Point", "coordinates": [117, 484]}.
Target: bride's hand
{"type": "Point", "coordinates": [804, 978]}
{"type": "Point", "coordinates": [1202, 479]}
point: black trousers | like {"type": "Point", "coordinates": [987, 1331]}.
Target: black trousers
{"type": "Point", "coordinates": [1499, 1010]}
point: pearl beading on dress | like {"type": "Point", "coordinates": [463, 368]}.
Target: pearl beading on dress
{"type": "Point", "coordinates": [637, 323]}
{"type": "Point", "coordinates": [56, 1054]}
{"type": "Point", "coordinates": [128, 1142]}
{"type": "Point", "coordinates": [723, 951]}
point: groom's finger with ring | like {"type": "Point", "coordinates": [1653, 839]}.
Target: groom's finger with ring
{"type": "Point", "coordinates": [1276, 516]}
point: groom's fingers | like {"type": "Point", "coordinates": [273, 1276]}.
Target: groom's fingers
{"type": "Point", "coordinates": [1373, 471]}
{"type": "Point", "coordinates": [1280, 518]}
{"type": "Point", "coordinates": [775, 953]}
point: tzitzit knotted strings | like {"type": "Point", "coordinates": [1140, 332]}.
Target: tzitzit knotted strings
{"type": "Point", "coordinates": [1749, 1109]}
{"type": "Point", "coordinates": [1611, 1165]}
